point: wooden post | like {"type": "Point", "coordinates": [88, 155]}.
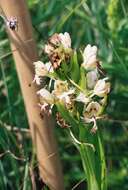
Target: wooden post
{"type": "Point", "coordinates": [24, 53]}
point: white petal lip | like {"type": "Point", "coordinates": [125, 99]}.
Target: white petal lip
{"type": "Point", "coordinates": [82, 98]}
{"type": "Point", "coordinates": [46, 96]}
{"type": "Point", "coordinates": [89, 56]}
{"type": "Point", "coordinates": [65, 39]}
{"type": "Point", "coordinates": [71, 91]}
{"type": "Point", "coordinates": [37, 80]}
{"type": "Point", "coordinates": [91, 120]}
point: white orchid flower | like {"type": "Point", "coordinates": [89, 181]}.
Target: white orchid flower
{"type": "Point", "coordinates": [66, 96]}
{"type": "Point", "coordinates": [60, 87]}
{"type": "Point", "coordinates": [65, 40]}
{"type": "Point", "coordinates": [102, 88]}
{"type": "Point", "coordinates": [92, 110]}
{"type": "Point", "coordinates": [92, 78]}
{"type": "Point", "coordinates": [48, 49]}
{"type": "Point", "coordinates": [46, 96]}
{"type": "Point", "coordinates": [91, 114]}
{"type": "Point", "coordinates": [42, 69]}
{"type": "Point", "coordinates": [82, 98]}
{"type": "Point", "coordinates": [89, 56]}
{"type": "Point", "coordinates": [62, 92]}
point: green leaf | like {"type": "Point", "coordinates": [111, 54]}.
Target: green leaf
{"type": "Point", "coordinates": [75, 70]}
{"type": "Point", "coordinates": [3, 179]}
{"type": "Point", "coordinates": [82, 81]}
{"type": "Point", "coordinates": [65, 67]}
{"type": "Point", "coordinates": [26, 176]}
{"type": "Point", "coordinates": [87, 165]}
{"type": "Point", "coordinates": [59, 74]}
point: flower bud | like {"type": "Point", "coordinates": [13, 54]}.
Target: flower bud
{"type": "Point", "coordinates": [102, 88]}
{"type": "Point", "coordinates": [65, 40]}
{"type": "Point", "coordinates": [92, 78]}
{"type": "Point", "coordinates": [89, 56]}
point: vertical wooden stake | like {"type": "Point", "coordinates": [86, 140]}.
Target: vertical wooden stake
{"type": "Point", "coordinates": [24, 53]}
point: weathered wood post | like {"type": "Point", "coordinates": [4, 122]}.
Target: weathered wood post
{"type": "Point", "coordinates": [24, 53]}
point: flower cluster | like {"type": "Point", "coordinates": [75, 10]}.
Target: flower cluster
{"type": "Point", "coordinates": [58, 49]}
{"type": "Point", "coordinates": [80, 87]}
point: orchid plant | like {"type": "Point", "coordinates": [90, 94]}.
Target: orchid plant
{"type": "Point", "coordinates": [76, 89]}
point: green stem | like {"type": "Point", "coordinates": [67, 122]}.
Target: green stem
{"type": "Point", "coordinates": [88, 168]}
{"type": "Point", "coordinates": [93, 162]}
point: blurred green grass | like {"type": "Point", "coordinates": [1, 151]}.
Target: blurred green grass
{"type": "Point", "coordinates": [101, 22]}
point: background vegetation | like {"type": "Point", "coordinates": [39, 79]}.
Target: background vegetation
{"type": "Point", "coordinates": [100, 22]}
